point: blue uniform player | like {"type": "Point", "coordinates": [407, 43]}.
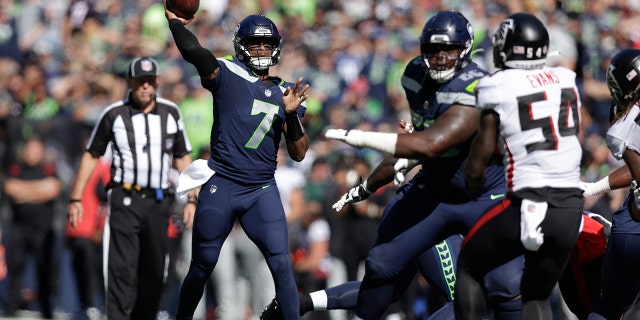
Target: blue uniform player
{"type": "Point", "coordinates": [251, 110]}
{"type": "Point", "coordinates": [433, 206]}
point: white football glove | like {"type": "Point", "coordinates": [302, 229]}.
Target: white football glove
{"type": "Point", "coordinates": [355, 194]}
{"type": "Point", "coordinates": [401, 167]}
{"type": "Point", "coordinates": [605, 223]}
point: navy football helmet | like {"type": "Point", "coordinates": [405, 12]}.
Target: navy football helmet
{"type": "Point", "coordinates": [446, 31]}
{"type": "Point", "coordinates": [521, 41]}
{"type": "Point", "coordinates": [623, 80]}
{"type": "Point", "coordinates": [256, 29]}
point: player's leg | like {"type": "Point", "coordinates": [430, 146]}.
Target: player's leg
{"type": "Point", "coordinates": [503, 289]}
{"type": "Point", "coordinates": [341, 297]}
{"type": "Point", "coordinates": [544, 267]}
{"type": "Point", "coordinates": [254, 265]}
{"type": "Point", "coordinates": [394, 251]}
{"type": "Point", "coordinates": [407, 222]}
{"type": "Point", "coordinates": [265, 224]}
{"type": "Point", "coordinates": [437, 264]}
{"type": "Point", "coordinates": [491, 243]}
{"type": "Point", "coordinates": [375, 296]}
{"type": "Point", "coordinates": [619, 275]}
{"type": "Point", "coordinates": [384, 277]}
{"type": "Point", "coordinates": [344, 296]}
{"type": "Point", "coordinates": [440, 221]}
{"type": "Point", "coordinates": [224, 278]}
{"type": "Point", "coordinates": [212, 223]}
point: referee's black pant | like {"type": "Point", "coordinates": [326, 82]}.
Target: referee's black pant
{"type": "Point", "coordinates": [135, 243]}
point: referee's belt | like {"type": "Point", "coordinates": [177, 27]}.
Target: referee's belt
{"type": "Point", "coordinates": [143, 192]}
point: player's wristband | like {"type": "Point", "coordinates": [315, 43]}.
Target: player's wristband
{"type": "Point", "coordinates": [295, 131]}
{"type": "Point", "coordinates": [192, 199]}
{"type": "Point", "coordinates": [601, 186]}
{"type": "Point", "coordinates": [74, 200]}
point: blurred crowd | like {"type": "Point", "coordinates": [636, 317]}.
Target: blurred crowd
{"type": "Point", "coordinates": [62, 62]}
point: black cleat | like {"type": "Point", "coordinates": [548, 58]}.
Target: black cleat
{"type": "Point", "coordinates": [272, 311]}
{"type": "Point", "coordinates": [306, 304]}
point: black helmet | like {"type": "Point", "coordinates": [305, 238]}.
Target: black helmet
{"type": "Point", "coordinates": [447, 28]}
{"type": "Point", "coordinates": [250, 28]}
{"type": "Point", "coordinates": [623, 80]}
{"type": "Point", "coordinates": [521, 41]}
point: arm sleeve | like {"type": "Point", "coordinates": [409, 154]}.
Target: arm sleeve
{"type": "Point", "coordinates": [191, 50]}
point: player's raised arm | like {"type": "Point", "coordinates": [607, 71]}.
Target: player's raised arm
{"type": "Point", "coordinates": [191, 50]}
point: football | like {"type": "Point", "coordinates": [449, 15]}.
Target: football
{"type": "Point", "coordinates": [185, 9]}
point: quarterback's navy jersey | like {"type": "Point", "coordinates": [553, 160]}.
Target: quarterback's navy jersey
{"type": "Point", "coordinates": [428, 100]}
{"type": "Point", "coordinates": [247, 113]}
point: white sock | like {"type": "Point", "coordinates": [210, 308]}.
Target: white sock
{"type": "Point", "coordinates": [319, 299]}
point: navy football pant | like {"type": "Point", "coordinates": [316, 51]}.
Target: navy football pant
{"type": "Point", "coordinates": [413, 222]}
{"type": "Point", "coordinates": [260, 213]}
{"type": "Point", "coordinates": [438, 266]}
{"type": "Point", "coordinates": [620, 280]}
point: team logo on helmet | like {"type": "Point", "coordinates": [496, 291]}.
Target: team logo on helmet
{"type": "Point", "coordinates": [261, 31]}
{"type": "Point", "coordinates": [501, 34]}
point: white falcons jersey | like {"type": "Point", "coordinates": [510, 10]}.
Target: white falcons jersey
{"type": "Point", "coordinates": [625, 133]}
{"type": "Point", "coordinates": [539, 119]}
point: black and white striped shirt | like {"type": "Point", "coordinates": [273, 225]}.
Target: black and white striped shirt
{"type": "Point", "coordinates": [143, 145]}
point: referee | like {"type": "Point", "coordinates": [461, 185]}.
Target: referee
{"type": "Point", "coordinates": [146, 135]}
